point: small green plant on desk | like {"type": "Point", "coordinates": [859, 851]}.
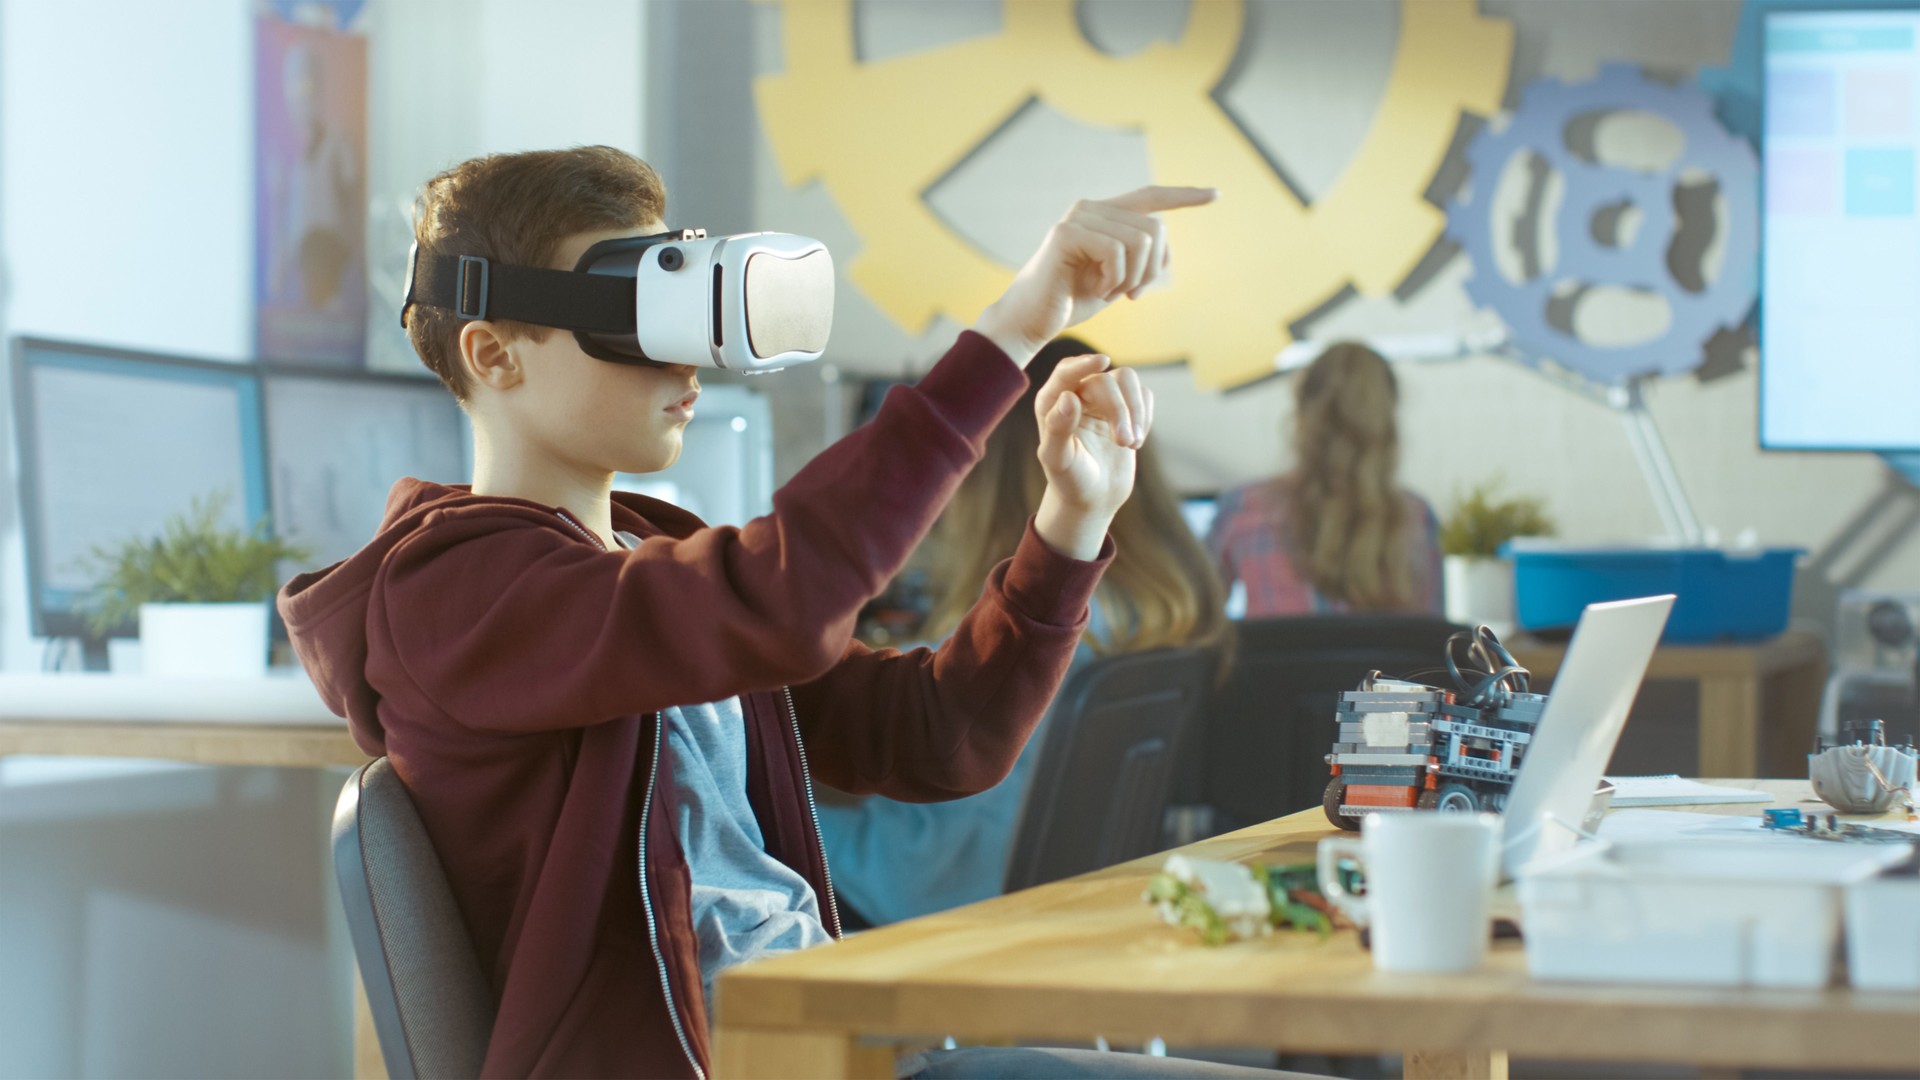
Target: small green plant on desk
{"type": "Point", "coordinates": [1478, 583]}
{"type": "Point", "coordinates": [1485, 518]}
{"type": "Point", "coordinates": [196, 559]}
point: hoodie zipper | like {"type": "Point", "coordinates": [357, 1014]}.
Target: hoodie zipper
{"type": "Point", "coordinates": [581, 529]}
{"type": "Point", "coordinates": [813, 811]}
{"type": "Point", "coordinates": [646, 903]}
{"type": "Point", "coordinates": [646, 896]}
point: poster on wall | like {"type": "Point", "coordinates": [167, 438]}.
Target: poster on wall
{"type": "Point", "coordinates": [310, 193]}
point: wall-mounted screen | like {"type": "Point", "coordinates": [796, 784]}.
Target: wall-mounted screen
{"type": "Point", "coordinates": [1840, 309]}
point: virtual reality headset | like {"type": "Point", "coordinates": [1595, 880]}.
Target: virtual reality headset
{"type": "Point", "coordinates": [751, 302]}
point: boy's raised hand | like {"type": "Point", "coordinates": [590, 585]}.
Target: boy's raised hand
{"type": "Point", "coordinates": [1092, 420]}
{"type": "Point", "coordinates": [1100, 251]}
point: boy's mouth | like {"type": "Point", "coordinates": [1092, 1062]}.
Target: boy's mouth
{"type": "Point", "coordinates": [683, 409]}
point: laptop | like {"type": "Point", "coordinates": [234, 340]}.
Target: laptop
{"type": "Point", "coordinates": [1577, 732]}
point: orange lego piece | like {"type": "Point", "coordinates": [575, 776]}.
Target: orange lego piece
{"type": "Point", "coordinates": [1381, 795]}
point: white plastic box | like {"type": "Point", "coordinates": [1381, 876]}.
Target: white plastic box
{"type": "Point", "coordinates": [1724, 914]}
{"type": "Point", "coordinates": [1883, 933]}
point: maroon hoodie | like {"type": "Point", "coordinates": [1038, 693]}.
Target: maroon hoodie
{"type": "Point", "coordinates": [514, 671]}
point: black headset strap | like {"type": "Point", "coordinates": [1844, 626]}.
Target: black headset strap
{"type": "Point", "coordinates": [474, 288]}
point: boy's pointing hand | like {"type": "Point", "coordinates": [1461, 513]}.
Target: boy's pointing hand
{"type": "Point", "coordinates": [1100, 251]}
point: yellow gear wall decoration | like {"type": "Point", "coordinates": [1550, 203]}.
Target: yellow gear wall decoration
{"type": "Point", "coordinates": [878, 135]}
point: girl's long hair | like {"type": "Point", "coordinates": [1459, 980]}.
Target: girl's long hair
{"type": "Point", "coordinates": [1350, 525]}
{"type": "Point", "coordinates": [1161, 590]}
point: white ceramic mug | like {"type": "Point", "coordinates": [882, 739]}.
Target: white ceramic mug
{"type": "Point", "coordinates": [1430, 879]}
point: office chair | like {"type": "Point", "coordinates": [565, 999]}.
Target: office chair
{"type": "Point", "coordinates": [433, 1007]}
{"type": "Point", "coordinates": [1260, 744]}
{"type": "Point", "coordinates": [1099, 790]}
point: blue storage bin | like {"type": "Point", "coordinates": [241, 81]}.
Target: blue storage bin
{"type": "Point", "coordinates": [1723, 595]}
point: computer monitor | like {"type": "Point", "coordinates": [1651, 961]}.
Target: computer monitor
{"type": "Point", "coordinates": [725, 471]}
{"type": "Point", "coordinates": [112, 443]}
{"type": "Point", "coordinates": [1839, 329]}
{"type": "Point", "coordinates": [336, 442]}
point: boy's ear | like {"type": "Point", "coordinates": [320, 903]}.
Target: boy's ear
{"type": "Point", "coordinates": [488, 358]}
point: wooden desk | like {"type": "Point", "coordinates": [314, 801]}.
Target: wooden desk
{"type": "Point", "coordinates": [285, 745]}
{"type": "Point", "coordinates": [277, 721]}
{"type": "Point", "coordinates": [1086, 957]}
{"type": "Point", "coordinates": [1759, 703]}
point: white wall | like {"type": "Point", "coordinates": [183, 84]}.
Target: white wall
{"type": "Point", "coordinates": [452, 79]}
{"type": "Point", "coordinates": [183, 921]}
{"type": "Point", "coordinates": [127, 217]}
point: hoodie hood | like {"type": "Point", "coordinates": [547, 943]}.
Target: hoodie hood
{"type": "Point", "coordinates": [326, 610]}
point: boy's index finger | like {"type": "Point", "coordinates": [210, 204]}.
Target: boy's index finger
{"type": "Point", "coordinates": [1069, 369]}
{"type": "Point", "coordinates": [1154, 198]}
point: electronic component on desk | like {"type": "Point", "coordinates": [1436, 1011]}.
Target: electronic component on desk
{"type": "Point", "coordinates": [1830, 827]}
{"type": "Point", "coordinates": [1788, 818]}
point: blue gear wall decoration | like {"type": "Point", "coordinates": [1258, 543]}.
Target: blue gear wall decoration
{"type": "Point", "coordinates": [1539, 125]}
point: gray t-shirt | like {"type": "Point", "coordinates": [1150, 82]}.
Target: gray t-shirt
{"type": "Point", "coordinates": [746, 903]}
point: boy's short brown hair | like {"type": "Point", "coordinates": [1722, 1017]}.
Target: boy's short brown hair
{"type": "Point", "coordinates": [514, 209]}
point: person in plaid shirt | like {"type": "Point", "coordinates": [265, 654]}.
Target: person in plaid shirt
{"type": "Point", "coordinates": [1337, 534]}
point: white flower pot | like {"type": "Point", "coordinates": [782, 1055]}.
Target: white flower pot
{"type": "Point", "coordinates": [1480, 590]}
{"type": "Point", "coordinates": [204, 640]}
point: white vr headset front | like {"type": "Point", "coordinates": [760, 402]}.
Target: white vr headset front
{"type": "Point", "coordinates": [749, 302]}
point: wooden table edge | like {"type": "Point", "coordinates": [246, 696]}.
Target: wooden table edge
{"type": "Point", "coordinates": [222, 743]}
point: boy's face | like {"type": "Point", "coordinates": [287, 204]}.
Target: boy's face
{"type": "Point", "coordinates": [590, 413]}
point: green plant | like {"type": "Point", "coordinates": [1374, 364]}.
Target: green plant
{"type": "Point", "coordinates": [195, 560]}
{"type": "Point", "coordinates": [1483, 519]}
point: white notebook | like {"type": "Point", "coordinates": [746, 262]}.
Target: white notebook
{"type": "Point", "coordinates": [1673, 791]}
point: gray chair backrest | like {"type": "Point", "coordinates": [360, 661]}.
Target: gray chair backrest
{"type": "Point", "coordinates": [433, 1007]}
{"type": "Point", "coordinates": [1099, 790]}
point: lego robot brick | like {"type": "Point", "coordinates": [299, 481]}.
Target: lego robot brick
{"type": "Point", "coordinates": [1380, 759]}
{"type": "Point", "coordinates": [1431, 694]}
{"type": "Point", "coordinates": [1461, 730]}
{"type": "Point", "coordinates": [1470, 770]}
{"type": "Point", "coordinates": [1364, 702]}
{"type": "Point", "coordinates": [1375, 774]}
{"type": "Point", "coordinates": [1374, 746]}
{"type": "Point", "coordinates": [1416, 729]}
{"type": "Point", "coordinates": [1380, 795]}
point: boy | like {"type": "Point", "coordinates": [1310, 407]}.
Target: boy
{"type": "Point", "coordinates": [533, 653]}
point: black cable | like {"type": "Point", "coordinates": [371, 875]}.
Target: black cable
{"type": "Point", "coordinates": [1496, 678]}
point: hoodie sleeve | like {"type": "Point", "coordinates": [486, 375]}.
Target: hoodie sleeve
{"type": "Point", "coordinates": [929, 725]}
{"type": "Point", "coordinates": [521, 627]}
